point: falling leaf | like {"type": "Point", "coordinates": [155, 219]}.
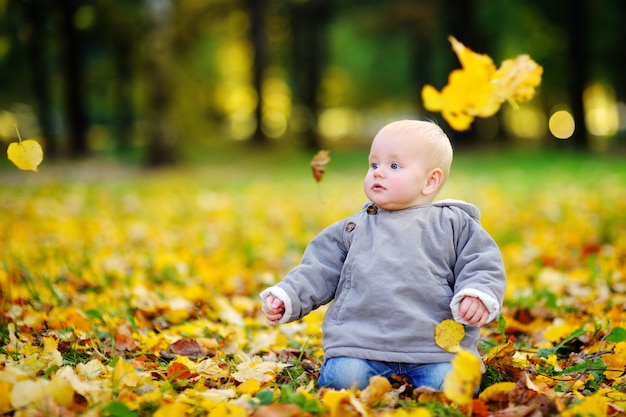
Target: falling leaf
{"type": "Point", "coordinates": [478, 89]}
{"type": "Point", "coordinates": [25, 154]}
{"type": "Point", "coordinates": [464, 379]}
{"type": "Point", "coordinates": [318, 164]}
{"type": "Point", "coordinates": [448, 335]}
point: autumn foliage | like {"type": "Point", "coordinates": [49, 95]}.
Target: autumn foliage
{"type": "Point", "coordinates": [125, 295]}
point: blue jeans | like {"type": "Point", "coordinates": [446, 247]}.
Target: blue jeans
{"type": "Point", "coordinates": [346, 372]}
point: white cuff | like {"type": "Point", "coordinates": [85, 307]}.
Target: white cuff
{"type": "Point", "coordinates": [492, 304]}
{"type": "Point", "coordinates": [281, 294]}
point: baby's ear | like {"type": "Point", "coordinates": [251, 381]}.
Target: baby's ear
{"type": "Point", "coordinates": [433, 181]}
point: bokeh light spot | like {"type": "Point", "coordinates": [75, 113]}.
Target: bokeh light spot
{"type": "Point", "coordinates": [526, 122]}
{"type": "Point", "coordinates": [562, 124]}
{"type": "Point", "coordinates": [336, 123]}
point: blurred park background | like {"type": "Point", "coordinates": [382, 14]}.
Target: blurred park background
{"type": "Point", "coordinates": [163, 81]}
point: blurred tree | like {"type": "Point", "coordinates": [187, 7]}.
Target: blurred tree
{"type": "Point", "coordinates": [121, 26]}
{"type": "Point", "coordinates": [256, 11]}
{"type": "Point", "coordinates": [38, 15]}
{"type": "Point", "coordinates": [74, 78]}
{"type": "Point", "coordinates": [158, 62]}
{"type": "Point", "coordinates": [309, 21]}
{"type": "Point", "coordinates": [576, 13]}
{"type": "Point", "coordinates": [462, 25]}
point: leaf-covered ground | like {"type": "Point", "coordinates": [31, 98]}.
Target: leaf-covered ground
{"type": "Point", "coordinates": [128, 293]}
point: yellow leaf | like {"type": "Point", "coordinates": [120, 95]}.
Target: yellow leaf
{"type": "Point", "coordinates": [516, 79]}
{"type": "Point", "coordinates": [5, 401]}
{"type": "Point", "coordinates": [471, 61]}
{"type": "Point", "coordinates": [51, 354]}
{"type": "Point", "coordinates": [478, 89]}
{"type": "Point", "coordinates": [376, 390]}
{"type": "Point", "coordinates": [26, 154]}
{"type": "Point", "coordinates": [224, 410]}
{"type": "Point", "coordinates": [261, 371]}
{"type": "Point", "coordinates": [343, 404]}
{"type": "Point", "coordinates": [501, 352]}
{"type": "Point", "coordinates": [124, 374]}
{"type": "Point", "coordinates": [413, 412]}
{"type": "Point", "coordinates": [616, 361]}
{"type": "Point", "coordinates": [497, 392]}
{"type": "Point", "coordinates": [171, 409]}
{"type": "Point", "coordinates": [251, 386]}
{"type": "Point", "coordinates": [558, 332]}
{"type": "Point", "coordinates": [448, 335]}
{"type": "Point", "coordinates": [28, 392]}
{"type": "Point", "coordinates": [591, 406]}
{"type": "Point", "coordinates": [463, 380]}
{"type": "Point", "coordinates": [61, 390]}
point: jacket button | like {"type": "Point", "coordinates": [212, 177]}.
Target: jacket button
{"type": "Point", "coordinates": [372, 209]}
{"type": "Point", "coordinates": [350, 226]}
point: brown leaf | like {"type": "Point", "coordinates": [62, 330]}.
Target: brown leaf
{"type": "Point", "coordinates": [527, 393]}
{"type": "Point", "coordinates": [318, 164]}
{"type": "Point", "coordinates": [188, 347]}
{"type": "Point", "coordinates": [125, 342]}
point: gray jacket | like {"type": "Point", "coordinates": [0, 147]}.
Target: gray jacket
{"type": "Point", "coordinates": [394, 275]}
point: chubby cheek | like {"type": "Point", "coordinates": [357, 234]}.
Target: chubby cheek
{"type": "Point", "coordinates": [368, 181]}
{"type": "Point", "coordinates": [367, 187]}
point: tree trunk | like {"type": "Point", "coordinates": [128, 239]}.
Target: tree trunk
{"type": "Point", "coordinates": [158, 61]}
{"type": "Point", "coordinates": [37, 12]}
{"type": "Point", "coordinates": [73, 73]}
{"type": "Point", "coordinates": [308, 21]}
{"type": "Point", "coordinates": [462, 27]}
{"type": "Point", "coordinates": [579, 76]}
{"type": "Point", "coordinates": [123, 89]}
{"type": "Point", "coordinates": [256, 9]}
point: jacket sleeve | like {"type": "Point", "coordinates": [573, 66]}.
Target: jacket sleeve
{"type": "Point", "coordinates": [313, 282]}
{"type": "Point", "coordinates": [479, 269]}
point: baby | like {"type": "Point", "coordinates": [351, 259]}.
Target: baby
{"type": "Point", "coordinates": [396, 268]}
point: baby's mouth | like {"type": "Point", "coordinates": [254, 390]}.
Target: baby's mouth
{"type": "Point", "coordinates": [378, 187]}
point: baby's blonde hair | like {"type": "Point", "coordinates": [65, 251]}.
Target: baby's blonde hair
{"type": "Point", "coordinates": [435, 139]}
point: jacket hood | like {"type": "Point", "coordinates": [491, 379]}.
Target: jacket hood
{"type": "Point", "coordinates": [470, 209]}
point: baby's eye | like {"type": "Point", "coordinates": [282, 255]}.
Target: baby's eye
{"type": "Point", "coordinates": [374, 165]}
{"type": "Point", "coordinates": [394, 165]}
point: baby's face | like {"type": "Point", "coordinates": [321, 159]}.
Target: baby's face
{"type": "Point", "coordinates": [398, 173]}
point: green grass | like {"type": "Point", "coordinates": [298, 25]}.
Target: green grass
{"type": "Point", "coordinates": [240, 162]}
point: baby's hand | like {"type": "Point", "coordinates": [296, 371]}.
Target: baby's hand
{"type": "Point", "coordinates": [274, 309]}
{"type": "Point", "coordinates": [474, 311]}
